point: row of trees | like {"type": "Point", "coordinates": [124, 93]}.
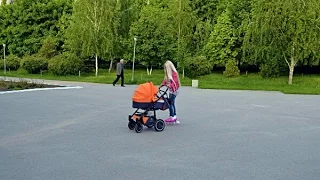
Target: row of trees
{"type": "Point", "coordinates": [274, 35]}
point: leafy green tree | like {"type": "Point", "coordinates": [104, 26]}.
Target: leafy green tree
{"type": "Point", "coordinates": [92, 31]}
{"type": "Point", "coordinates": [127, 12]}
{"type": "Point", "coordinates": [205, 9]}
{"type": "Point", "coordinates": [63, 23]}
{"type": "Point", "coordinates": [155, 34]}
{"type": "Point", "coordinates": [3, 2]}
{"type": "Point", "coordinates": [239, 13]}
{"type": "Point", "coordinates": [49, 48]}
{"type": "Point", "coordinates": [205, 13]}
{"type": "Point", "coordinates": [26, 23]}
{"type": "Point", "coordinates": [221, 44]}
{"type": "Point", "coordinates": [284, 30]}
{"type": "Point", "coordinates": [184, 23]}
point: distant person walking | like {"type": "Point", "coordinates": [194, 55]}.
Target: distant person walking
{"type": "Point", "coordinates": [120, 73]}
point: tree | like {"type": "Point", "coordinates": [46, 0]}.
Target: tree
{"type": "Point", "coordinates": [127, 12]}
{"type": "Point", "coordinates": [221, 44]}
{"type": "Point", "coordinates": [26, 23]}
{"type": "Point", "coordinates": [284, 30]}
{"type": "Point", "coordinates": [238, 12]}
{"type": "Point", "coordinates": [205, 14]}
{"type": "Point", "coordinates": [205, 9]}
{"type": "Point", "coordinates": [92, 30]}
{"type": "Point", "coordinates": [63, 23]}
{"type": "Point", "coordinates": [156, 34]}
{"type": "Point", "coordinates": [49, 48]}
{"type": "Point", "coordinates": [184, 22]}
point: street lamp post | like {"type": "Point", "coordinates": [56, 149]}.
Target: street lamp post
{"type": "Point", "coordinates": [4, 59]}
{"type": "Point", "coordinates": [134, 56]}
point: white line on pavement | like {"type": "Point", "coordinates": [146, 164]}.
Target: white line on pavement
{"type": "Point", "coordinates": [40, 89]}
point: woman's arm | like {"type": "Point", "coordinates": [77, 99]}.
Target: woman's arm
{"type": "Point", "coordinates": [164, 82]}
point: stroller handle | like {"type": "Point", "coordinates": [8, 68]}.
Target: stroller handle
{"type": "Point", "coordinates": [163, 92]}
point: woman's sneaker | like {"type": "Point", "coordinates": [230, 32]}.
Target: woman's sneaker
{"type": "Point", "coordinates": [169, 120]}
{"type": "Point", "coordinates": [175, 120]}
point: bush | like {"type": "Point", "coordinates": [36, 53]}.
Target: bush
{"type": "Point", "coordinates": [270, 69]}
{"type": "Point", "coordinates": [65, 64]}
{"type": "Point", "coordinates": [232, 69]}
{"type": "Point", "coordinates": [49, 48]}
{"type": "Point", "coordinates": [34, 64]}
{"type": "Point", "coordinates": [12, 62]}
{"type": "Point", "coordinates": [197, 66]}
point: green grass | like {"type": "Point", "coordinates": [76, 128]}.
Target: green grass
{"type": "Point", "coordinates": [103, 77]}
{"type": "Point", "coordinates": [301, 84]}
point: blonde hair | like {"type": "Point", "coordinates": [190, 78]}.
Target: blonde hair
{"type": "Point", "coordinates": [168, 68]}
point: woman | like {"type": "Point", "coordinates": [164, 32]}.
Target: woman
{"type": "Point", "coordinates": [172, 80]}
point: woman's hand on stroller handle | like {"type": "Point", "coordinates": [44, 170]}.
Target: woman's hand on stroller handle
{"type": "Point", "coordinates": [162, 85]}
{"type": "Point", "coordinates": [163, 91]}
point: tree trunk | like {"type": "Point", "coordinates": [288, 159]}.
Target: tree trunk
{"type": "Point", "coordinates": [110, 67]}
{"type": "Point", "coordinates": [96, 65]}
{"type": "Point", "coordinates": [149, 71]}
{"type": "Point", "coordinates": [291, 69]}
{"type": "Point", "coordinates": [183, 72]}
{"type": "Point", "coordinates": [291, 65]}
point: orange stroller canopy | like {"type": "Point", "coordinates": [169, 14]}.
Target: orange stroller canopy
{"type": "Point", "coordinates": [145, 93]}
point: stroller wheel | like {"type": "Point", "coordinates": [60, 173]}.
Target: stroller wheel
{"type": "Point", "coordinates": [138, 127]}
{"type": "Point", "coordinates": [159, 125]}
{"type": "Point", "coordinates": [131, 125]}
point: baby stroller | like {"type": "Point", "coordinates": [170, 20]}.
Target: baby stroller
{"type": "Point", "coordinates": [147, 98]}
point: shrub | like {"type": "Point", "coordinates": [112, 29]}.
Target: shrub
{"type": "Point", "coordinates": [34, 64]}
{"type": "Point", "coordinates": [270, 69]}
{"type": "Point", "coordinates": [12, 62]}
{"type": "Point", "coordinates": [197, 66]}
{"type": "Point", "coordinates": [49, 48]}
{"type": "Point", "coordinates": [232, 69]}
{"type": "Point", "coordinates": [65, 64]}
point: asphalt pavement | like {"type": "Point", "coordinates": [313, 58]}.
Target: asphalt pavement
{"type": "Point", "coordinates": [82, 134]}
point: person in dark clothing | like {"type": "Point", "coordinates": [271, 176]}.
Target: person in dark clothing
{"type": "Point", "coordinates": [120, 73]}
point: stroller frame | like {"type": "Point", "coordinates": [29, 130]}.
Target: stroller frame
{"type": "Point", "coordinates": [136, 119]}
